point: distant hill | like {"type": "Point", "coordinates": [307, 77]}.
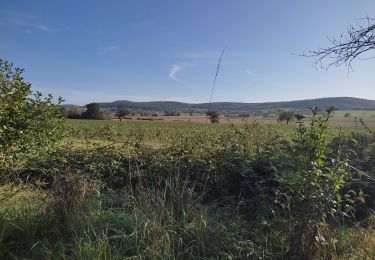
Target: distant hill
{"type": "Point", "coordinates": [341, 103]}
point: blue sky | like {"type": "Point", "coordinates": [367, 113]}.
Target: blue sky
{"type": "Point", "coordinates": [145, 50]}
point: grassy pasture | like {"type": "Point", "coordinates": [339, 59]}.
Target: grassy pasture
{"type": "Point", "coordinates": [367, 115]}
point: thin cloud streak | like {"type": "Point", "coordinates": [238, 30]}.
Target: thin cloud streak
{"type": "Point", "coordinates": [107, 49]}
{"type": "Point", "coordinates": [44, 28]}
{"type": "Point", "coordinates": [257, 77]}
{"type": "Point", "coordinates": [21, 19]}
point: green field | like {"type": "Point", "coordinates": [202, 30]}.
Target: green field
{"type": "Point", "coordinates": [183, 190]}
{"type": "Point", "coordinates": [367, 115]}
{"type": "Point", "coordinates": [161, 132]}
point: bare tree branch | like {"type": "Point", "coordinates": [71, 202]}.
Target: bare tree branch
{"type": "Point", "coordinates": [359, 39]}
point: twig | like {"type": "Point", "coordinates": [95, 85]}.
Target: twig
{"type": "Point", "coordinates": [215, 78]}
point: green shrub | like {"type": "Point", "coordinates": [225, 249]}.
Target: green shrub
{"type": "Point", "coordinates": [29, 125]}
{"type": "Point", "coordinates": [214, 116]}
{"type": "Point", "coordinates": [312, 187]}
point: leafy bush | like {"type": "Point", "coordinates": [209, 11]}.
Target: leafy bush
{"type": "Point", "coordinates": [29, 125]}
{"type": "Point", "coordinates": [312, 187]}
{"type": "Point", "coordinates": [214, 116]}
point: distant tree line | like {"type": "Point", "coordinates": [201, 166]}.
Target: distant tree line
{"type": "Point", "coordinates": [172, 113]}
{"type": "Point", "coordinates": [93, 111]}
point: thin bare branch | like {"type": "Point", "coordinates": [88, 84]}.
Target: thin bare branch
{"type": "Point", "coordinates": [358, 40]}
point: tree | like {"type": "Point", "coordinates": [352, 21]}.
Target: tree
{"type": "Point", "coordinates": [171, 113]}
{"type": "Point", "coordinates": [64, 111]}
{"type": "Point", "coordinates": [30, 124]}
{"type": "Point", "coordinates": [93, 111]}
{"type": "Point", "coordinates": [74, 112]}
{"type": "Point", "coordinates": [214, 116]}
{"type": "Point", "coordinates": [285, 115]}
{"type": "Point", "coordinates": [358, 41]}
{"type": "Point", "coordinates": [122, 112]}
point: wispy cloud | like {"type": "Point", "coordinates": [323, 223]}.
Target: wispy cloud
{"type": "Point", "coordinates": [107, 49]}
{"type": "Point", "coordinates": [22, 19]}
{"type": "Point", "coordinates": [44, 28]}
{"type": "Point", "coordinates": [173, 72]}
{"type": "Point", "coordinates": [250, 73]}
{"type": "Point", "coordinates": [259, 77]}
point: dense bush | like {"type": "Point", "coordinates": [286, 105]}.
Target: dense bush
{"type": "Point", "coordinates": [214, 116]}
{"type": "Point", "coordinates": [30, 126]}
{"type": "Point", "coordinates": [283, 190]}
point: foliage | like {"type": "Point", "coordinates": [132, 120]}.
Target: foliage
{"type": "Point", "coordinates": [74, 112]}
{"type": "Point", "coordinates": [285, 115]}
{"type": "Point", "coordinates": [93, 112]}
{"type": "Point", "coordinates": [214, 116]}
{"type": "Point", "coordinates": [29, 125]}
{"type": "Point", "coordinates": [180, 190]}
{"type": "Point", "coordinates": [171, 113]}
{"type": "Point", "coordinates": [122, 112]}
{"type": "Point", "coordinates": [312, 187]}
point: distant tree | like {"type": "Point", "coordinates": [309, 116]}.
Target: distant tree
{"type": "Point", "coordinates": [64, 111]}
{"type": "Point", "coordinates": [244, 115]}
{"type": "Point", "coordinates": [214, 116]}
{"type": "Point", "coordinates": [347, 115]}
{"type": "Point", "coordinates": [299, 117]}
{"type": "Point", "coordinates": [74, 112]}
{"type": "Point", "coordinates": [171, 113]}
{"type": "Point", "coordinates": [358, 41]}
{"type": "Point", "coordinates": [122, 112]}
{"type": "Point", "coordinates": [92, 111]}
{"type": "Point", "coordinates": [285, 115]}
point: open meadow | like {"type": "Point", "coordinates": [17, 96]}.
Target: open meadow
{"type": "Point", "coordinates": [177, 190]}
{"type": "Point", "coordinates": [345, 118]}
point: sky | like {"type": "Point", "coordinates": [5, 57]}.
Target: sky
{"type": "Point", "coordinates": [143, 50]}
